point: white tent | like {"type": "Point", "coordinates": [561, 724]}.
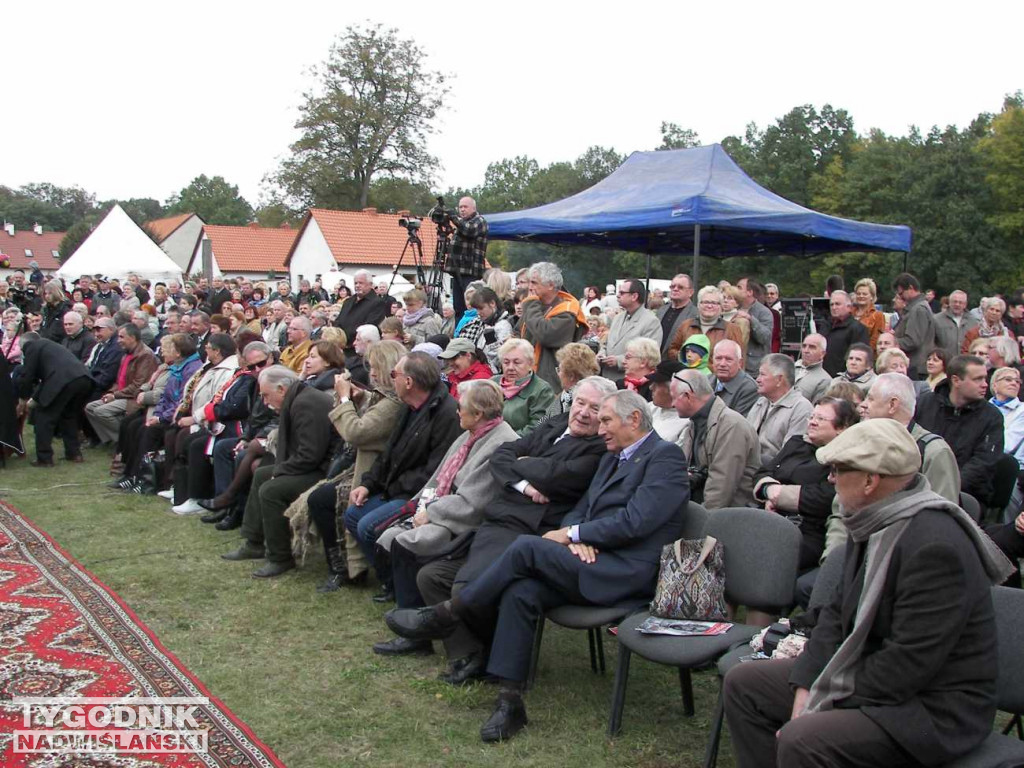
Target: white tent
{"type": "Point", "coordinates": [117, 248]}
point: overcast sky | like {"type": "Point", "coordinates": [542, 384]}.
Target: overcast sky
{"type": "Point", "coordinates": [136, 99]}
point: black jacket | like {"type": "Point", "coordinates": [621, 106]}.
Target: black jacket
{"type": "Point", "coordinates": [49, 365]}
{"type": "Point", "coordinates": [81, 345]}
{"type": "Point", "coordinates": [53, 321]}
{"type": "Point", "coordinates": [840, 337]}
{"type": "Point", "coordinates": [796, 464]}
{"type": "Point", "coordinates": [105, 365]}
{"type": "Point", "coordinates": [418, 443]}
{"type": "Point", "coordinates": [927, 675]}
{"type": "Point", "coordinates": [233, 408]}
{"type": "Point", "coordinates": [974, 432]}
{"type": "Point", "coordinates": [355, 312]}
{"type": "Point", "coordinates": [305, 437]}
{"type": "Point", "coordinates": [262, 419]}
{"type": "Point", "coordinates": [562, 471]}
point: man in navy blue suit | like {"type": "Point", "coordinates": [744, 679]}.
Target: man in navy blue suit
{"type": "Point", "coordinates": [607, 551]}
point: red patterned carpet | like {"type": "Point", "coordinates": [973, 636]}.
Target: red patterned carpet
{"type": "Point", "coordinates": [63, 633]}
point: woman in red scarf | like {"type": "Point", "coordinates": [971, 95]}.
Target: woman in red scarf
{"type": "Point", "coordinates": [464, 363]}
{"type": "Point", "coordinates": [642, 357]}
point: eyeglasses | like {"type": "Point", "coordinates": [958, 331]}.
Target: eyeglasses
{"type": "Point", "coordinates": [256, 366]}
{"type": "Point", "coordinates": [837, 469]}
{"type": "Point", "coordinates": [681, 380]}
{"type": "Point", "coordinates": [710, 303]}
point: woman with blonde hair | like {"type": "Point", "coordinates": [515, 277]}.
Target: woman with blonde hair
{"type": "Point", "coordinates": [419, 322]}
{"type": "Point", "coordinates": [575, 361]}
{"type": "Point", "coordinates": [732, 299]}
{"type": "Point", "coordinates": [364, 419]}
{"type": "Point", "coordinates": [865, 294]}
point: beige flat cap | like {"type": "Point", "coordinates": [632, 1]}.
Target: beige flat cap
{"type": "Point", "coordinates": [878, 446]}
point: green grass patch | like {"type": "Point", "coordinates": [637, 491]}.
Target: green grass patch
{"type": "Point", "coordinates": [298, 666]}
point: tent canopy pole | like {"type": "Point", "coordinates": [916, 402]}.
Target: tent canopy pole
{"type": "Point", "coordinates": [696, 255]}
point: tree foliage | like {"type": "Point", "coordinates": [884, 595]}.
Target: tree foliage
{"type": "Point", "coordinates": [370, 115]}
{"type": "Point", "coordinates": [55, 208]}
{"type": "Point", "coordinates": [674, 136]}
{"type": "Point", "coordinates": [214, 200]}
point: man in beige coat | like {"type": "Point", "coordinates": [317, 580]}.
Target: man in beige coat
{"type": "Point", "coordinates": [781, 411]}
{"type": "Point", "coordinates": [725, 448]}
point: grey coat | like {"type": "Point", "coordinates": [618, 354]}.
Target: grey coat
{"type": "Point", "coordinates": [731, 453]}
{"type": "Point", "coordinates": [812, 382]}
{"type": "Point", "coordinates": [915, 335]}
{"type": "Point", "coordinates": [950, 336]}
{"type": "Point", "coordinates": [776, 422]}
{"type": "Point", "coordinates": [461, 510]}
{"type": "Point", "coordinates": [762, 323]}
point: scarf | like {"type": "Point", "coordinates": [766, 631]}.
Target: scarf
{"type": "Point", "coordinates": [511, 389]}
{"type": "Point", "coordinates": [879, 527]}
{"type": "Point", "coordinates": [451, 467]}
{"type": "Point", "coordinates": [176, 371]}
{"type": "Point", "coordinates": [634, 384]}
{"type": "Point", "coordinates": [122, 372]}
{"type": "Point", "coordinates": [411, 318]}
{"type": "Point", "coordinates": [986, 331]}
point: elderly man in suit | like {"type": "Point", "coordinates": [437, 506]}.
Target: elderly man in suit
{"type": "Point", "coordinates": [734, 385]}
{"type": "Point", "coordinates": [781, 411]}
{"type": "Point", "coordinates": [540, 478]}
{"type": "Point", "coordinates": [901, 667]}
{"type": "Point", "coordinates": [679, 307]}
{"type": "Point", "coordinates": [607, 551]}
{"type": "Point", "coordinates": [59, 384]}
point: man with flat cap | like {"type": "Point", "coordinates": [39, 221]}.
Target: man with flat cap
{"type": "Point", "coordinates": [900, 669]}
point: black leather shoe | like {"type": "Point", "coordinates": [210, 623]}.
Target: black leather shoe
{"type": "Point", "coordinates": [270, 570]}
{"type": "Point", "coordinates": [420, 623]}
{"type": "Point", "coordinates": [508, 719]}
{"type": "Point", "coordinates": [399, 646]}
{"type": "Point", "coordinates": [214, 517]}
{"type": "Point", "coordinates": [229, 523]}
{"type": "Point", "coordinates": [245, 552]}
{"type": "Point", "coordinates": [209, 504]}
{"type": "Point", "coordinates": [44, 464]}
{"type": "Point", "coordinates": [386, 595]}
{"type": "Point", "coordinates": [465, 670]}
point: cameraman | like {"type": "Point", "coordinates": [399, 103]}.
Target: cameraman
{"type": "Point", "coordinates": [24, 295]}
{"type": "Point", "coordinates": [469, 246]}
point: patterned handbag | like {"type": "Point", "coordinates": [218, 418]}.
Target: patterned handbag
{"type": "Point", "coordinates": [691, 582]}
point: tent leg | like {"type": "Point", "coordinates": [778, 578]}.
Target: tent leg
{"type": "Point", "coordinates": [650, 257]}
{"type": "Point", "coordinates": [696, 256]}
{"type": "Point", "coordinates": [906, 260]}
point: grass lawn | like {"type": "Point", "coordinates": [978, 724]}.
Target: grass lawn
{"type": "Point", "coordinates": [298, 668]}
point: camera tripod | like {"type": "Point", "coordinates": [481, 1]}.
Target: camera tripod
{"type": "Point", "coordinates": [413, 243]}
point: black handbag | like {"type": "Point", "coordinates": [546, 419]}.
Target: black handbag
{"type": "Point", "coordinates": [151, 470]}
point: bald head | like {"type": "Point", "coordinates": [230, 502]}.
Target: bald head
{"type": "Point", "coordinates": [812, 349]}
{"type": "Point", "coordinates": [467, 207]}
{"type": "Point", "coordinates": [840, 305]}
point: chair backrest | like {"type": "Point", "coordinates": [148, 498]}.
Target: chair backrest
{"type": "Point", "coordinates": [970, 505]}
{"type": "Point", "coordinates": [762, 552]}
{"type": "Point", "coordinates": [1009, 606]}
{"type": "Point", "coordinates": [829, 576]}
{"type": "Point", "coordinates": [694, 520]}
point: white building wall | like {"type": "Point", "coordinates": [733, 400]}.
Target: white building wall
{"type": "Point", "coordinates": [181, 243]}
{"type": "Point", "coordinates": [313, 257]}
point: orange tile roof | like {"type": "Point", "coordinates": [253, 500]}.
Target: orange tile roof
{"type": "Point", "coordinates": [164, 228]}
{"type": "Point", "coordinates": [365, 237]}
{"type": "Point", "coordinates": [251, 248]}
{"type": "Point", "coordinates": [40, 245]}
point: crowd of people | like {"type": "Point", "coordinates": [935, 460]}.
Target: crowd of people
{"type": "Point", "coordinates": [484, 466]}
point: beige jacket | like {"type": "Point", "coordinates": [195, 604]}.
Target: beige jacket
{"type": "Point", "coordinates": [367, 433]}
{"type": "Point", "coordinates": [776, 422]}
{"type": "Point", "coordinates": [731, 453]}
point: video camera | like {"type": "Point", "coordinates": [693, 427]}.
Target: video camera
{"type": "Point", "coordinates": [439, 214]}
{"type": "Point", "coordinates": [412, 224]}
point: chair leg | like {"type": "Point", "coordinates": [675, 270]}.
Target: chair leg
{"type": "Point", "coordinates": [686, 685]}
{"type": "Point", "coordinates": [538, 636]}
{"type": "Point", "coordinates": [600, 648]}
{"type": "Point", "coordinates": [715, 736]}
{"type": "Point", "coordinates": [619, 691]}
{"type": "Point", "coordinates": [593, 650]}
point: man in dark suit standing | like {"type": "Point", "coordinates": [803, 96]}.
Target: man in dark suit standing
{"type": "Point", "coordinates": [60, 384]}
{"type": "Point", "coordinates": [678, 308]}
{"type": "Point", "coordinates": [607, 551]}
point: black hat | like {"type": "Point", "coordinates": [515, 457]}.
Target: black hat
{"type": "Point", "coordinates": [665, 371]}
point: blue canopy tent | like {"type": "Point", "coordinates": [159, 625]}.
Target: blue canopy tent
{"type": "Point", "coordinates": [691, 200]}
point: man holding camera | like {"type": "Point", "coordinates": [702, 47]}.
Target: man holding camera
{"type": "Point", "coordinates": [469, 246]}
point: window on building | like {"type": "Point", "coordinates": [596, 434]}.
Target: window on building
{"type": "Point", "coordinates": [55, 254]}
{"type": "Point", "coordinates": [28, 253]}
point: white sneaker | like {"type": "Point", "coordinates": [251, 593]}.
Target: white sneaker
{"type": "Point", "coordinates": [190, 507]}
{"type": "Point", "coordinates": [168, 494]}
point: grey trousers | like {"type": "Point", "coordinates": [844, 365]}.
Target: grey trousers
{"type": "Point", "coordinates": [758, 703]}
{"type": "Point", "coordinates": [106, 418]}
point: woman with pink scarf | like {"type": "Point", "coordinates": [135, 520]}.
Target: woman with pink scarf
{"type": "Point", "coordinates": [419, 321]}
{"type": "Point", "coordinates": [527, 395]}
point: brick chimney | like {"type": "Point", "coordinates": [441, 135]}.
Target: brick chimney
{"type": "Point", "coordinates": [9, 228]}
{"type": "Point", "coordinates": [37, 228]}
{"type": "Point", "coordinates": [404, 214]}
{"type": "Point", "coordinates": [254, 225]}
{"type": "Point", "coordinates": [286, 225]}
{"type": "Point", "coordinates": [371, 211]}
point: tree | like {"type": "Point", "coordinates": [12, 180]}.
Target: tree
{"type": "Point", "coordinates": [73, 238]}
{"type": "Point", "coordinates": [370, 115]}
{"type": "Point", "coordinates": [1002, 152]}
{"type": "Point", "coordinates": [55, 208]}
{"type": "Point", "coordinates": [674, 136]}
{"type": "Point", "coordinates": [214, 200]}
